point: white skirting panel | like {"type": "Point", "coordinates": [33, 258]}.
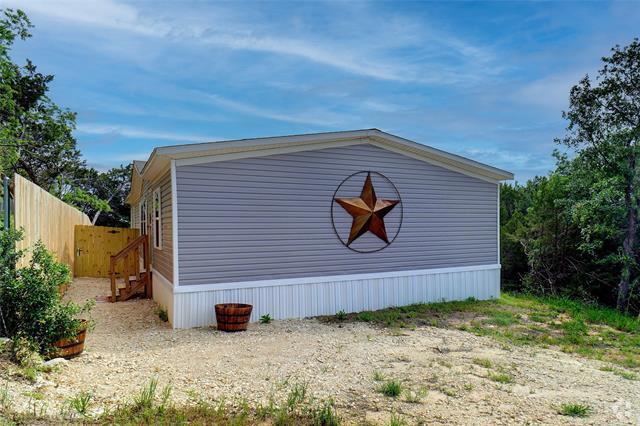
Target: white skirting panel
{"type": "Point", "coordinates": [163, 293]}
{"type": "Point", "coordinates": [193, 308]}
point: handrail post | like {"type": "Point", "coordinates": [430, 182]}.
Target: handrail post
{"type": "Point", "coordinates": [112, 276]}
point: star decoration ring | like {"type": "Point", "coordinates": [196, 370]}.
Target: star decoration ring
{"type": "Point", "coordinates": [367, 212]}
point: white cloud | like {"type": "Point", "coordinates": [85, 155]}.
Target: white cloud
{"type": "Point", "coordinates": [370, 56]}
{"type": "Point", "coordinates": [108, 129]}
{"type": "Point", "coordinates": [317, 118]}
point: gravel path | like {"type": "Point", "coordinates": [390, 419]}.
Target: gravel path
{"type": "Point", "coordinates": [130, 345]}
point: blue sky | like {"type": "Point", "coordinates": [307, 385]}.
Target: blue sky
{"type": "Point", "coordinates": [485, 80]}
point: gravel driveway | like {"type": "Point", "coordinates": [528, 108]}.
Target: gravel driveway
{"type": "Point", "coordinates": [130, 345]}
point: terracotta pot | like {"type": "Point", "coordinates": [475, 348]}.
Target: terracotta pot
{"type": "Point", "coordinates": [233, 316]}
{"type": "Point", "coordinates": [71, 348]}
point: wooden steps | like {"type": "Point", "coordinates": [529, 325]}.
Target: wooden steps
{"type": "Point", "coordinates": [134, 283]}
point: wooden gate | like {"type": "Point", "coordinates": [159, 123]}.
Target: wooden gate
{"type": "Point", "coordinates": [94, 246]}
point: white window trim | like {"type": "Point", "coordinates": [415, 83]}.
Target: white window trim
{"type": "Point", "coordinates": [157, 220]}
{"type": "Point", "coordinates": [142, 208]}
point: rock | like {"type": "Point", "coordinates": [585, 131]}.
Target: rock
{"type": "Point", "coordinates": [55, 362]}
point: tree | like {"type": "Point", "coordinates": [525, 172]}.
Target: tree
{"type": "Point", "coordinates": [604, 130]}
{"type": "Point", "coordinates": [110, 189]}
{"type": "Point", "coordinates": [36, 134]}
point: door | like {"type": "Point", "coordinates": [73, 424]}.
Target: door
{"type": "Point", "coordinates": [94, 246]}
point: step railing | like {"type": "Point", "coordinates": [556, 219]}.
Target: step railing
{"type": "Point", "coordinates": [142, 278]}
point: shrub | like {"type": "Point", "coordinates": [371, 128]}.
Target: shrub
{"type": "Point", "coordinates": [341, 315]}
{"type": "Point", "coordinates": [31, 306]}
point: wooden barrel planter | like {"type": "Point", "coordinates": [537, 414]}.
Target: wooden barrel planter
{"type": "Point", "coordinates": [233, 316]}
{"type": "Point", "coordinates": [71, 348]}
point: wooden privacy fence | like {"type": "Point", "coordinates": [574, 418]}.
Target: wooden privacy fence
{"type": "Point", "coordinates": [45, 217]}
{"type": "Point", "coordinates": [96, 244]}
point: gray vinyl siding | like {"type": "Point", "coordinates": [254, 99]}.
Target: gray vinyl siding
{"type": "Point", "coordinates": [270, 217]}
{"type": "Point", "coordinates": [161, 259]}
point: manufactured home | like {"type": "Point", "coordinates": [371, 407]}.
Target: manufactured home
{"type": "Point", "coordinates": [313, 224]}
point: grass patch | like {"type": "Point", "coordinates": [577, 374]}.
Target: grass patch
{"type": "Point", "coordinates": [378, 376]}
{"type": "Point", "coordinates": [574, 327]}
{"type": "Point", "coordinates": [152, 407]}
{"type": "Point", "coordinates": [501, 378]}
{"type": "Point", "coordinates": [391, 388]}
{"type": "Point", "coordinates": [574, 410]}
{"type": "Point", "coordinates": [415, 397]}
{"type": "Point", "coordinates": [483, 362]}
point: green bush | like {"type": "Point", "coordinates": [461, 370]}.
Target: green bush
{"type": "Point", "coordinates": [31, 306]}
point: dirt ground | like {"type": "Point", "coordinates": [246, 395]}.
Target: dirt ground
{"type": "Point", "coordinates": [130, 345]}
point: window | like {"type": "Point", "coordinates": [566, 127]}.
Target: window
{"type": "Point", "coordinates": [143, 217]}
{"type": "Point", "coordinates": [157, 219]}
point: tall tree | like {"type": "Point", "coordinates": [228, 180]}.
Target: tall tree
{"type": "Point", "coordinates": [36, 134]}
{"type": "Point", "coordinates": [604, 129]}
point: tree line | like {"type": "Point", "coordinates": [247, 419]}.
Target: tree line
{"type": "Point", "coordinates": [36, 137]}
{"type": "Point", "coordinates": [575, 231]}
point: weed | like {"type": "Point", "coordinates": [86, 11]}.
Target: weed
{"type": "Point", "coordinates": [415, 397]}
{"type": "Point", "coordinates": [29, 373]}
{"type": "Point", "coordinates": [341, 315]}
{"type": "Point", "coordinates": [366, 316]}
{"type": "Point", "coordinates": [80, 403]}
{"type": "Point", "coordinates": [326, 415]}
{"type": "Point", "coordinates": [575, 410]}
{"type": "Point", "coordinates": [483, 362]}
{"type": "Point", "coordinates": [162, 313]}
{"type": "Point", "coordinates": [147, 395]}
{"type": "Point", "coordinates": [449, 392]}
{"type": "Point", "coordinates": [265, 319]}
{"type": "Point", "coordinates": [297, 395]}
{"type": "Point", "coordinates": [391, 388]}
{"type": "Point", "coordinates": [5, 398]}
{"type": "Point", "coordinates": [500, 377]}
{"type": "Point", "coordinates": [396, 420]}
{"type": "Point", "coordinates": [378, 376]}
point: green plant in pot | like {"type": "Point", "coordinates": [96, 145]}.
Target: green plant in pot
{"type": "Point", "coordinates": [31, 306]}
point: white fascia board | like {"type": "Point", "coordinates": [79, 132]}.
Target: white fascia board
{"type": "Point", "coordinates": [330, 278]}
{"type": "Point", "coordinates": [174, 224]}
{"type": "Point", "coordinates": [266, 151]}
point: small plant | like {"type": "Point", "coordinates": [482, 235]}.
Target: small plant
{"type": "Point", "coordinates": [341, 315]}
{"type": "Point", "coordinates": [365, 316]}
{"type": "Point", "coordinates": [80, 403]}
{"type": "Point", "coordinates": [265, 319]}
{"type": "Point", "coordinates": [396, 420]}
{"type": "Point", "coordinates": [483, 362]}
{"type": "Point", "coordinates": [378, 376]}
{"type": "Point", "coordinates": [162, 313]}
{"type": "Point", "coordinates": [326, 415]}
{"type": "Point", "coordinates": [297, 396]}
{"type": "Point", "coordinates": [391, 388]}
{"type": "Point", "coordinates": [5, 398]}
{"type": "Point", "coordinates": [574, 410]}
{"type": "Point", "coordinates": [501, 377]}
{"type": "Point", "coordinates": [415, 397]}
{"type": "Point", "coordinates": [147, 395]}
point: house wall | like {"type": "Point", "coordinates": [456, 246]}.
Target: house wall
{"type": "Point", "coordinates": [161, 259]}
{"type": "Point", "coordinates": [269, 218]}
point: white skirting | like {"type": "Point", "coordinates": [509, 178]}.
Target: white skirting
{"type": "Point", "coordinates": [163, 292]}
{"type": "Point", "coordinates": [193, 306]}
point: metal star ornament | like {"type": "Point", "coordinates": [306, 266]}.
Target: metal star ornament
{"type": "Point", "coordinates": [368, 212]}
